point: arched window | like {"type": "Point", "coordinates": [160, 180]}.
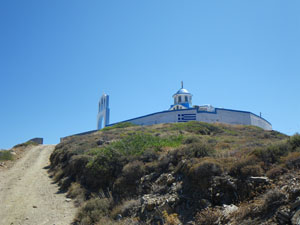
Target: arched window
{"type": "Point", "coordinates": [179, 99]}
{"type": "Point", "coordinates": [186, 98]}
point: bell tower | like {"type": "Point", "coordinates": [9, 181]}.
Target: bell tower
{"type": "Point", "coordinates": [182, 99]}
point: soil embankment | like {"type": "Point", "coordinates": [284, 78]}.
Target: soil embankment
{"type": "Point", "coordinates": [28, 195]}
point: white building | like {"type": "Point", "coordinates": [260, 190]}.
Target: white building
{"type": "Point", "coordinates": [182, 111]}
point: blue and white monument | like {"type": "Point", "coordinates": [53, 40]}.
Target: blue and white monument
{"type": "Point", "coordinates": [103, 112]}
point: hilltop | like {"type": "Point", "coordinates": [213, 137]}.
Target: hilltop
{"type": "Point", "coordinates": [181, 173]}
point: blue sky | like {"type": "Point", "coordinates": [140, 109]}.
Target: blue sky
{"type": "Point", "coordinates": [57, 57]}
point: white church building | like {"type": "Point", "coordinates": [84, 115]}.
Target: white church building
{"type": "Point", "coordinates": [182, 111]}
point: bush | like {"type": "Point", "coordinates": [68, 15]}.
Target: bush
{"type": "Point", "coordinates": [5, 155]}
{"type": "Point", "coordinates": [292, 161]}
{"type": "Point", "coordinates": [272, 200]}
{"type": "Point", "coordinates": [272, 153]}
{"type": "Point", "coordinates": [77, 165]}
{"type": "Point", "coordinates": [133, 170]}
{"type": "Point", "coordinates": [276, 171]}
{"type": "Point", "coordinates": [294, 142]}
{"type": "Point", "coordinates": [198, 150]}
{"type": "Point", "coordinates": [125, 185]}
{"type": "Point", "coordinates": [103, 169]}
{"type": "Point", "coordinates": [205, 170]}
{"type": "Point", "coordinates": [92, 211]}
{"type": "Point", "coordinates": [251, 170]}
{"type": "Point", "coordinates": [245, 168]}
{"type": "Point", "coordinates": [191, 139]}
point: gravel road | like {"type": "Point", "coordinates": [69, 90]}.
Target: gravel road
{"type": "Point", "coordinates": [28, 196]}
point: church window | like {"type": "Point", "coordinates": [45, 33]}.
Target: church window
{"type": "Point", "coordinates": [179, 99]}
{"type": "Point", "coordinates": [186, 98]}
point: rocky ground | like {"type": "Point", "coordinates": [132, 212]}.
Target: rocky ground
{"type": "Point", "coordinates": [28, 195]}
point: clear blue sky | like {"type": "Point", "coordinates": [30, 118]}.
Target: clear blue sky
{"type": "Point", "coordinates": [58, 56]}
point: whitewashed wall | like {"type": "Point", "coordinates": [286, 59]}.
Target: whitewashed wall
{"type": "Point", "coordinates": [219, 115]}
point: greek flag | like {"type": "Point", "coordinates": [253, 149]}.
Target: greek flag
{"type": "Point", "coordinates": [186, 117]}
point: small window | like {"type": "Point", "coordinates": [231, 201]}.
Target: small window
{"type": "Point", "coordinates": [186, 98]}
{"type": "Point", "coordinates": [179, 99]}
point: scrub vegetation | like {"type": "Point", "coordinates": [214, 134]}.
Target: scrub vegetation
{"type": "Point", "coordinates": [5, 155]}
{"type": "Point", "coordinates": [175, 173]}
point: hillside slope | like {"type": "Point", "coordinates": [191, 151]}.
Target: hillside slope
{"type": "Point", "coordinates": [29, 196]}
{"type": "Point", "coordinates": [185, 173]}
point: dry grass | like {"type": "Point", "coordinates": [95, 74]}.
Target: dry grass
{"type": "Point", "coordinates": [77, 192]}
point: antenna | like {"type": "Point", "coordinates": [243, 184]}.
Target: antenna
{"type": "Point", "coordinates": [181, 84]}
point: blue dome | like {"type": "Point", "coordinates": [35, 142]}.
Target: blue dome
{"type": "Point", "coordinates": [182, 91]}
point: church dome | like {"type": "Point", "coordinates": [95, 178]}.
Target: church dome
{"type": "Point", "coordinates": [182, 91]}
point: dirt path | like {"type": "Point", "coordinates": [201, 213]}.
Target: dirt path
{"type": "Point", "coordinates": [27, 194]}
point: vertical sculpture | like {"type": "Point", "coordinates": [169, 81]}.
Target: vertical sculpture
{"type": "Point", "coordinates": [103, 112]}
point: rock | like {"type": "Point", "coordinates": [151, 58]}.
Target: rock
{"type": "Point", "coordinates": [296, 218]}
{"type": "Point", "coordinates": [282, 217]}
{"type": "Point", "coordinates": [68, 199]}
{"type": "Point", "coordinates": [100, 142]}
{"type": "Point", "coordinates": [295, 205]}
{"type": "Point", "coordinates": [204, 203]}
{"type": "Point", "coordinates": [165, 179]}
{"type": "Point", "coordinates": [150, 201]}
{"type": "Point", "coordinates": [34, 206]}
{"type": "Point", "coordinates": [228, 209]}
{"type": "Point", "coordinates": [294, 193]}
{"type": "Point", "coordinates": [259, 179]}
{"type": "Point", "coordinates": [170, 179]}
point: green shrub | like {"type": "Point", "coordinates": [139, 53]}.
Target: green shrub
{"type": "Point", "coordinates": [5, 155]}
{"type": "Point", "coordinates": [103, 169]}
{"type": "Point", "coordinates": [119, 125]}
{"type": "Point", "coordinates": [294, 142]}
{"type": "Point", "coordinates": [272, 153]}
{"type": "Point", "coordinates": [93, 210]}
{"type": "Point", "coordinates": [137, 144]}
